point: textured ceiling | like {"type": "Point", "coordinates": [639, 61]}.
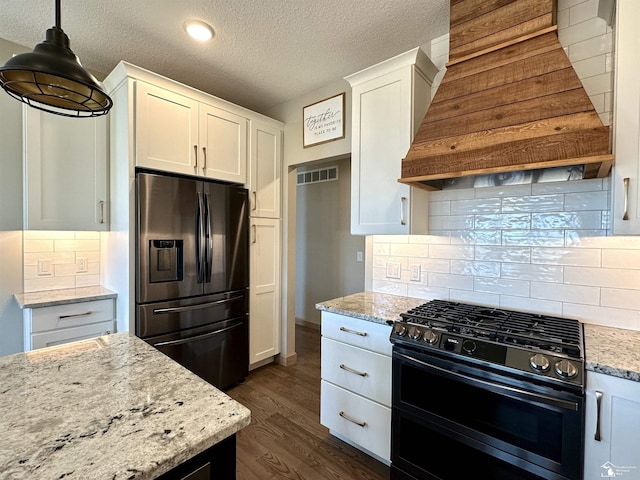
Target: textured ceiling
{"type": "Point", "coordinates": [265, 52]}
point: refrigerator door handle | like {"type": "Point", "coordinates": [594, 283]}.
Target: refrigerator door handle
{"type": "Point", "coordinates": [208, 258]}
{"type": "Point", "coordinates": [200, 244]}
{"type": "Point", "coordinates": [186, 308]}
{"type": "Point", "coordinates": [199, 337]}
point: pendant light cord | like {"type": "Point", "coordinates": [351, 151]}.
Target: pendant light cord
{"type": "Point", "coordinates": [58, 22]}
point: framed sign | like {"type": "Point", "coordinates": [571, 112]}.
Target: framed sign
{"type": "Point", "coordinates": [323, 121]}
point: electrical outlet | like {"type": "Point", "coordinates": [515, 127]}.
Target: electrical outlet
{"type": "Point", "coordinates": [44, 267]}
{"type": "Point", "coordinates": [82, 265]}
{"type": "Point", "coordinates": [415, 273]}
{"type": "Point", "coordinates": [393, 270]}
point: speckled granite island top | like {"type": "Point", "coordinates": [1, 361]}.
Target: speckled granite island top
{"type": "Point", "coordinates": [374, 307]}
{"type": "Point", "coordinates": [106, 408]}
{"type": "Point", "coordinates": [613, 351]}
{"type": "Point", "coordinates": [49, 298]}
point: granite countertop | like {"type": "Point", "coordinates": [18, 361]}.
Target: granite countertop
{"type": "Point", "coordinates": [48, 298]}
{"type": "Point", "coordinates": [374, 307]}
{"type": "Point", "coordinates": [612, 351]}
{"type": "Point", "coordinates": [111, 408]}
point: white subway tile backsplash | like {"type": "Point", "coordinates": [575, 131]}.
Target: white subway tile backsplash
{"type": "Point", "coordinates": [440, 208]}
{"type": "Point", "coordinates": [598, 45]}
{"type": "Point", "coordinates": [476, 237]}
{"type": "Point", "coordinates": [504, 254]}
{"type": "Point", "coordinates": [598, 83]}
{"type": "Point", "coordinates": [451, 222]}
{"type": "Point", "coordinates": [533, 238]}
{"type": "Point", "coordinates": [582, 31]}
{"type": "Point", "coordinates": [451, 194]}
{"type": "Point", "coordinates": [433, 264]}
{"type": "Point", "coordinates": [566, 4]}
{"type": "Point", "coordinates": [620, 298]}
{"type": "Point", "coordinates": [582, 220]}
{"type": "Point", "coordinates": [536, 273]}
{"type": "Point", "coordinates": [590, 67]}
{"type": "Point", "coordinates": [444, 280]}
{"type": "Point", "coordinates": [503, 191]}
{"type": "Point", "coordinates": [461, 252]}
{"type": "Point", "coordinates": [381, 248]}
{"type": "Point", "coordinates": [602, 277]}
{"type": "Point", "coordinates": [478, 298]}
{"type": "Point", "coordinates": [519, 288]}
{"type": "Point", "coordinates": [428, 293]}
{"type": "Point", "coordinates": [61, 249]}
{"type": "Point", "coordinates": [584, 11]}
{"type": "Point", "coordinates": [478, 205]}
{"type": "Point", "coordinates": [533, 203]}
{"type": "Point", "coordinates": [592, 185]}
{"type": "Point", "coordinates": [565, 293]}
{"type": "Point", "coordinates": [528, 304]}
{"type": "Point", "coordinates": [583, 257]}
{"type": "Point", "coordinates": [562, 19]}
{"type": "Point", "coordinates": [503, 221]}
{"type": "Point", "coordinates": [394, 288]}
{"type": "Point", "coordinates": [409, 250]}
{"type": "Point", "coordinates": [617, 258]}
{"type": "Point", "coordinates": [475, 268]}
{"type": "Point", "coordinates": [608, 317]}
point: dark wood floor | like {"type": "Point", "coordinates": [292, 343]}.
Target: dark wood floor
{"type": "Point", "coordinates": [285, 439]}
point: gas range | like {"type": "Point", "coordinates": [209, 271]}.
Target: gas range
{"type": "Point", "coordinates": [542, 348]}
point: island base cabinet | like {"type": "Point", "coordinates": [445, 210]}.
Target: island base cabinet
{"type": "Point", "coordinates": [612, 424]}
{"type": "Point", "coordinates": [365, 423]}
{"type": "Point", "coordinates": [216, 463]}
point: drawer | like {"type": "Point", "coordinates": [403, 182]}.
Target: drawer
{"type": "Point", "coordinates": [71, 315]}
{"type": "Point", "coordinates": [66, 335]}
{"type": "Point", "coordinates": [361, 371]}
{"type": "Point", "coordinates": [355, 331]}
{"type": "Point", "coordinates": [375, 432]}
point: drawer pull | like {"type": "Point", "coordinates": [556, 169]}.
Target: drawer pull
{"type": "Point", "coordinates": [362, 334]}
{"type": "Point", "coordinates": [76, 315]}
{"type": "Point", "coordinates": [351, 370]}
{"type": "Point", "coordinates": [347, 417]}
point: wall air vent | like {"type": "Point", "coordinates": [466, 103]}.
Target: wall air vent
{"type": "Point", "coordinates": [327, 174]}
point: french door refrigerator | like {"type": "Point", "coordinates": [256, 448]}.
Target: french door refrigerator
{"type": "Point", "coordinates": [192, 273]}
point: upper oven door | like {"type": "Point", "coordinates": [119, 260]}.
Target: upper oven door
{"type": "Point", "coordinates": [497, 414]}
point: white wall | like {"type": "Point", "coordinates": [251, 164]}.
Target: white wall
{"type": "Point", "coordinates": [326, 252]}
{"type": "Point", "coordinates": [10, 213]}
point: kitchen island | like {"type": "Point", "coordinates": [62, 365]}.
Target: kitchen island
{"type": "Point", "coordinates": [112, 407]}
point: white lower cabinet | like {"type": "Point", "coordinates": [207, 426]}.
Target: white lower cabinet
{"type": "Point", "coordinates": [355, 391]}
{"type": "Point", "coordinates": [612, 424]}
{"type": "Point", "coordinates": [55, 325]}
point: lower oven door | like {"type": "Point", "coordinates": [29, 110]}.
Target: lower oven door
{"type": "Point", "coordinates": [452, 420]}
{"type": "Point", "coordinates": [217, 353]}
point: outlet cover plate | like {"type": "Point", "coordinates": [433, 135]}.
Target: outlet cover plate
{"type": "Point", "coordinates": [393, 270]}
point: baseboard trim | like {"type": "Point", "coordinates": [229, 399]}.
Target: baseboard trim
{"type": "Point", "coordinates": [261, 363]}
{"type": "Point", "coordinates": [287, 360]}
{"type": "Point", "coordinates": [305, 323]}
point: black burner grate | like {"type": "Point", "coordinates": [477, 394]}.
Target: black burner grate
{"type": "Point", "coordinates": [509, 327]}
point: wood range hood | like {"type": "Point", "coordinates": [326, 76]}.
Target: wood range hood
{"type": "Point", "coordinates": [509, 101]}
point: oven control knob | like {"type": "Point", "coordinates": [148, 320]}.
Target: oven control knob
{"type": "Point", "coordinates": [430, 337]}
{"type": "Point", "coordinates": [469, 346]}
{"type": "Point", "coordinates": [566, 369]}
{"type": "Point", "coordinates": [539, 362]}
{"type": "Point", "coordinates": [415, 333]}
{"type": "Point", "coordinates": [399, 329]}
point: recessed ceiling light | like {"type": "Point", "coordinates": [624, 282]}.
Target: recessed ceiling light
{"type": "Point", "coordinates": [198, 30]}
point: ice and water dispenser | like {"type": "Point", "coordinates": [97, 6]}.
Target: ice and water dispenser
{"type": "Point", "coordinates": [165, 261]}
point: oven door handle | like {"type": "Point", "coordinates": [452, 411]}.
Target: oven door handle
{"type": "Point", "coordinates": [494, 387]}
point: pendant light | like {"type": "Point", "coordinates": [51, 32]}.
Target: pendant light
{"type": "Point", "coordinates": [52, 79]}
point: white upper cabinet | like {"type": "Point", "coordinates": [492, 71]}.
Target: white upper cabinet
{"type": "Point", "coordinates": [626, 124]}
{"type": "Point", "coordinates": [179, 134]}
{"type": "Point", "coordinates": [223, 143]}
{"type": "Point", "coordinates": [389, 101]}
{"type": "Point", "coordinates": [166, 130]}
{"type": "Point", "coordinates": [65, 172]}
{"type": "Point", "coordinates": [264, 175]}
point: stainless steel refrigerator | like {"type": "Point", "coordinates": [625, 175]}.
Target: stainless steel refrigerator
{"type": "Point", "coordinates": [192, 278]}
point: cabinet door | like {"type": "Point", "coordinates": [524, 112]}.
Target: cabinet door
{"type": "Point", "coordinates": [627, 121]}
{"type": "Point", "coordinates": [223, 143]}
{"type": "Point", "coordinates": [264, 174]}
{"type": "Point", "coordinates": [264, 288]}
{"type": "Point", "coordinates": [166, 130]}
{"type": "Point", "coordinates": [65, 172]}
{"type": "Point", "coordinates": [617, 452]}
{"type": "Point", "coordinates": [382, 132]}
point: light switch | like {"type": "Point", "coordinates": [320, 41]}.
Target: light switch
{"type": "Point", "coordinates": [393, 270]}
{"type": "Point", "coordinates": [359, 257]}
{"type": "Point", "coordinates": [415, 273]}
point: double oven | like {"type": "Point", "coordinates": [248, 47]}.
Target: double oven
{"type": "Point", "coordinates": [486, 393]}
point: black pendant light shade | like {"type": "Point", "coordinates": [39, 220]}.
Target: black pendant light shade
{"type": "Point", "coordinates": [52, 79]}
